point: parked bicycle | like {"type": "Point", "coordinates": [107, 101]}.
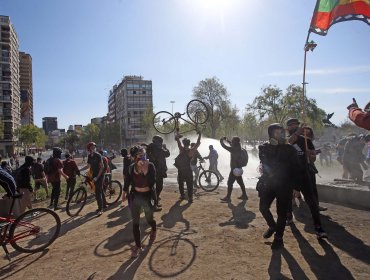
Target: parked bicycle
{"type": "Point", "coordinates": [112, 190]}
{"type": "Point", "coordinates": [164, 122]}
{"type": "Point", "coordinates": [31, 232]}
{"type": "Point", "coordinates": [208, 180]}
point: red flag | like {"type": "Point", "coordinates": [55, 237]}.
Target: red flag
{"type": "Point", "coordinates": [329, 12]}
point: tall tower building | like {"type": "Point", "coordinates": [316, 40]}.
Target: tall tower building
{"type": "Point", "coordinates": [132, 99]}
{"type": "Point", "coordinates": [9, 87]}
{"type": "Point", "coordinates": [25, 84]}
{"type": "Point", "coordinates": [49, 124]}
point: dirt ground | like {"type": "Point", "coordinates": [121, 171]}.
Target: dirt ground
{"type": "Point", "coordinates": [205, 240]}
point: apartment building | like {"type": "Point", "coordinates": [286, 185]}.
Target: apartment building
{"type": "Point", "coordinates": [25, 84]}
{"type": "Point", "coordinates": [49, 124]}
{"type": "Point", "coordinates": [132, 99]}
{"type": "Point", "coordinates": [10, 106]}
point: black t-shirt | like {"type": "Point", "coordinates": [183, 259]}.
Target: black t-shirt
{"type": "Point", "coordinates": [96, 162]}
{"type": "Point", "coordinates": [37, 170]}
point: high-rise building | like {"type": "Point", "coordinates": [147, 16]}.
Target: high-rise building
{"type": "Point", "coordinates": [9, 86]}
{"type": "Point", "coordinates": [25, 84]}
{"type": "Point", "coordinates": [49, 124]}
{"type": "Point", "coordinates": [132, 99]}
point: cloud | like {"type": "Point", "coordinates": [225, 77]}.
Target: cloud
{"type": "Point", "coordinates": [323, 71]}
{"type": "Point", "coordinates": [339, 90]}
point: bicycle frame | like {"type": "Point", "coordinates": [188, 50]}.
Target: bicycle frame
{"type": "Point", "coordinates": [177, 118]}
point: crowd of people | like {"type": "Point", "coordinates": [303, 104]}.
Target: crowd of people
{"type": "Point", "coordinates": [287, 167]}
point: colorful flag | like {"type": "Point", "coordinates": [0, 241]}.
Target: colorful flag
{"type": "Point", "coordinates": [329, 12]}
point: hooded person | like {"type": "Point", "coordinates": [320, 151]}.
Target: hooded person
{"type": "Point", "coordinates": [157, 153]}
{"type": "Point", "coordinates": [182, 163]}
{"type": "Point", "coordinates": [236, 171]}
{"type": "Point", "coordinates": [23, 181]}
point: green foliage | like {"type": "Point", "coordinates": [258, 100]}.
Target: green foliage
{"type": "Point", "coordinates": [30, 134]}
{"type": "Point", "coordinates": [216, 97]}
{"type": "Point", "coordinates": [90, 133]}
{"type": "Point", "coordinates": [71, 140]}
{"type": "Point", "coordinates": [274, 106]}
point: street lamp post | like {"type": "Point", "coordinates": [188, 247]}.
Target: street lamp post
{"type": "Point", "coordinates": [309, 46]}
{"type": "Point", "coordinates": [172, 102]}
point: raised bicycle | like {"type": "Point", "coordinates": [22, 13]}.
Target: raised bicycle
{"type": "Point", "coordinates": [164, 122]}
{"type": "Point", "coordinates": [33, 231]}
{"type": "Point", "coordinates": [112, 190]}
{"type": "Point", "coordinates": [208, 180]}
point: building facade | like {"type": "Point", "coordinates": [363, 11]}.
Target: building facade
{"type": "Point", "coordinates": [132, 100]}
{"type": "Point", "coordinates": [49, 124]}
{"type": "Point", "coordinates": [10, 106]}
{"type": "Point", "coordinates": [26, 91]}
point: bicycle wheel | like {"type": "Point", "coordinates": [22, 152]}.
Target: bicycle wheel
{"type": "Point", "coordinates": [76, 202]}
{"type": "Point", "coordinates": [34, 230]}
{"type": "Point", "coordinates": [113, 192]}
{"type": "Point", "coordinates": [164, 122]}
{"type": "Point", "coordinates": [197, 111]}
{"type": "Point", "coordinates": [208, 180]}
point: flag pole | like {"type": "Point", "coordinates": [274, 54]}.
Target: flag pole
{"type": "Point", "coordinates": [309, 46]}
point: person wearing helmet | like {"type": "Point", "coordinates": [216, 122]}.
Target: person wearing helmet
{"type": "Point", "coordinates": [279, 175]}
{"type": "Point", "coordinates": [157, 153]}
{"type": "Point", "coordinates": [236, 171]}
{"type": "Point", "coordinates": [95, 163]}
{"type": "Point", "coordinates": [182, 163]}
{"type": "Point", "coordinates": [305, 152]}
{"type": "Point", "coordinates": [361, 118]}
{"type": "Point", "coordinates": [141, 196]}
{"type": "Point", "coordinates": [54, 176]}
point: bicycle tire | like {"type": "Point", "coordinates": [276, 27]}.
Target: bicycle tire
{"type": "Point", "coordinates": [197, 111]}
{"type": "Point", "coordinates": [34, 230]}
{"type": "Point", "coordinates": [164, 122]}
{"type": "Point", "coordinates": [113, 192]}
{"type": "Point", "coordinates": [76, 202]}
{"type": "Point", "coordinates": [208, 180]}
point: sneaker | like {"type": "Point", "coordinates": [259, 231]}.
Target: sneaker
{"type": "Point", "coordinates": [221, 179]}
{"type": "Point", "coordinates": [135, 251]}
{"type": "Point", "coordinates": [320, 233]}
{"type": "Point", "coordinates": [98, 212]}
{"type": "Point", "coordinates": [152, 236]}
{"type": "Point", "coordinates": [243, 197]}
{"type": "Point", "coordinates": [268, 233]}
{"type": "Point", "coordinates": [278, 243]}
{"type": "Point", "coordinates": [225, 199]}
{"type": "Point", "coordinates": [322, 208]}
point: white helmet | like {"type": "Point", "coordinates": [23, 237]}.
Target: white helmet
{"type": "Point", "coordinates": [238, 172]}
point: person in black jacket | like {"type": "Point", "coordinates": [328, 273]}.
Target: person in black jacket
{"type": "Point", "coordinates": [235, 150]}
{"type": "Point", "coordinates": [157, 153]}
{"type": "Point", "coordinates": [141, 178]}
{"type": "Point", "coordinates": [23, 181]}
{"type": "Point", "coordinates": [279, 163]}
{"type": "Point", "coordinates": [305, 151]}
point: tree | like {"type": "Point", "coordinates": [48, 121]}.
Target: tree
{"type": "Point", "coordinates": [72, 139]}
{"type": "Point", "coordinates": [274, 106]}
{"type": "Point", "coordinates": [30, 134]}
{"type": "Point", "coordinates": [90, 133]}
{"type": "Point", "coordinates": [215, 96]}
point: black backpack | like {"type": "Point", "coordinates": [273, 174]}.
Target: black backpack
{"type": "Point", "coordinates": [48, 166]}
{"type": "Point", "coordinates": [182, 161]}
{"type": "Point", "coordinates": [244, 157]}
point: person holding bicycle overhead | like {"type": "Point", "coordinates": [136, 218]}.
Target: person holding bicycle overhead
{"type": "Point", "coordinates": [235, 150]}
{"type": "Point", "coordinates": [95, 163]}
{"type": "Point", "coordinates": [141, 178]}
{"type": "Point", "coordinates": [182, 163]}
